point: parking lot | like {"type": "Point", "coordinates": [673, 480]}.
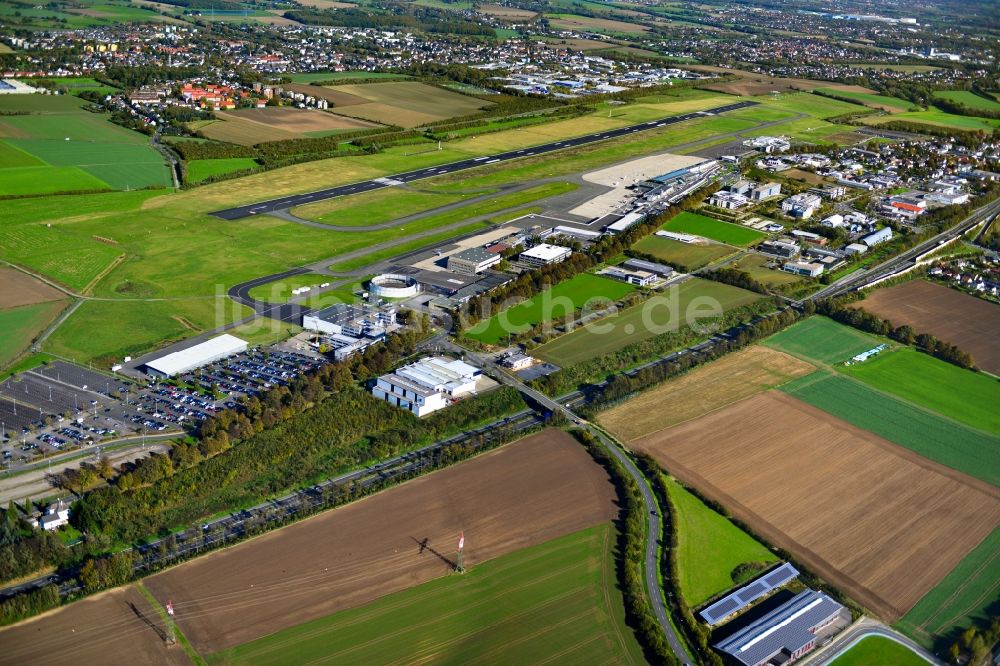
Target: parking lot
{"type": "Point", "coordinates": [62, 407]}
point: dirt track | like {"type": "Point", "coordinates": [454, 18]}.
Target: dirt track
{"type": "Point", "coordinates": [100, 630]}
{"type": "Point", "coordinates": [878, 521]}
{"type": "Point", "coordinates": [947, 314]}
{"type": "Point", "coordinates": [520, 495]}
{"type": "Point", "coordinates": [20, 289]}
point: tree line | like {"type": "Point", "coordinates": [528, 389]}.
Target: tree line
{"type": "Point", "coordinates": [630, 554]}
{"type": "Point", "coordinates": [858, 318]}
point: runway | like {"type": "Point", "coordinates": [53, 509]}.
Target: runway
{"type": "Point", "coordinates": [284, 203]}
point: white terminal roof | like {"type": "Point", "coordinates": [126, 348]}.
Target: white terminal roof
{"type": "Point", "coordinates": [546, 252]}
{"type": "Point", "coordinates": [201, 354]}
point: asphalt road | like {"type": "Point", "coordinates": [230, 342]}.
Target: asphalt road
{"type": "Point", "coordinates": [861, 629]}
{"type": "Point", "coordinates": [289, 312]}
{"type": "Point", "coordinates": [284, 203]}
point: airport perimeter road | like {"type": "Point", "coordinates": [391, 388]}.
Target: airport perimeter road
{"type": "Point", "coordinates": [907, 259]}
{"type": "Point", "coordinates": [653, 524]}
{"type": "Point", "coordinates": [288, 312]}
{"type": "Point", "coordinates": [388, 181]}
{"type": "Point", "coordinates": [858, 631]}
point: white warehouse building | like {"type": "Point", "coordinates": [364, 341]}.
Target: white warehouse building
{"type": "Point", "coordinates": [545, 254]}
{"type": "Point", "coordinates": [219, 347]}
{"type": "Point", "coordinates": [427, 385]}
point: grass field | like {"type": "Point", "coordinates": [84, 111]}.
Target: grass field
{"type": "Point", "coordinates": [963, 395]}
{"type": "Point", "coordinates": [74, 149]}
{"type": "Point", "coordinates": [407, 103]}
{"type": "Point", "coordinates": [891, 104]}
{"type": "Point", "coordinates": [199, 170]}
{"type": "Point", "coordinates": [20, 325]}
{"type": "Point", "coordinates": [969, 99]}
{"type": "Point", "coordinates": [722, 382]}
{"type": "Point", "coordinates": [755, 265]}
{"type": "Point", "coordinates": [665, 312]}
{"type": "Point", "coordinates": [823, 340]}
{"type": "Point", "coordinates": [591, 24]}
{"type": "Point", "coordinates": [813, 105]}
{"type": "Point", "coordinates": [375, 207]}
{"type": "Point", "coordinates": [940, 119]}
{"type": "Point", "coordinates": [966, 594]}
{"type": "Point", "coordinates": [878, 651]}
{"type": "Point", "coordinates": [557, 602]}
{"type": "Point", "coordinates": [709, 547]}
{"type": "Point", "coordinates": [724, 232]}
{"type": "Point", "coordinates": [281, 291]}
{"type": "Point", "coordinates": [932, 436]}
{"type": "Point", "coordinates": [78, 84]}
{"type": "Point", "coordinates": [312, 77]}
{"type": "Point", "coordinates": [690, 255]}
{"type": "Point", "coordinates": [555, 303]}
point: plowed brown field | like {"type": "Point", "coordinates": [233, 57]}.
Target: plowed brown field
{"type": "Point", "coordinates": [104, 629]}
{"type": "Point", "coordinates": [947, 314]}
{"type": "Point", "coordinates": [21, 289]}
{"type": "Point", "coordinates": [522, 494]}
{"type": "Point", "coordinates": [878, 521]}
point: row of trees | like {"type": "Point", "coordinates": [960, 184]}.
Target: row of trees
{"type": "Point", "coordinates": [975, 643]}
{"type": "Point", "coordinates": [871, 323]}
{"type": "Point", "coordinates": [24, 551]}
{"type": "Point", "coordinates": [631, 554]}
{"type": "Point", "coordinates": [622, 386]}
{"type": "Point", "coordinates": [736, 278]}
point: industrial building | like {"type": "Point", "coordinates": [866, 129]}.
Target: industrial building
{"type": "Point", "coordinates": [545, 254]}
{"type": "Point", "coordinates": [803, 268]}
{"type": "Point", "coordinates": [427, 385]}
{"type": "Point", "coordinates": [641, 265]}
{"type": "Point", "coordinates": [737, 600]}
{"type": "Point", "coordinates": [788, 632]}
{"type": "Point", "coordinates": [728, 200]}
{"type": "Point", "coordinates": [353, 320]}
{"type": "Point", "coordinates": [786, 249]}
{"type": "Point", "coordinates": [876, 237]}
{"type": "Point", "coordinates": [639, 278]}
{"type": "Point", "coordinates": [186, 360]}
{"type": "Point", "coordinates": [473, 260]}
{"type": "Point", "coordinates": [765, 191]}
{"type": "Point", "coordinates": [801, 205]}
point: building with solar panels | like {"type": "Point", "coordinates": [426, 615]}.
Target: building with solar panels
{"type": "Point", "coordinates": [788, 632]}
{"type": "Point", "coordinates": [739, 599]}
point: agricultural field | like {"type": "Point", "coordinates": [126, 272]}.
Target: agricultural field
{"type": "Point", "coordinates": [969, 99]}
{"type": "Point", "coordinates": [556, 601]}
{"type": "Point", "coordinates": [931, 435]}
{"type": "Point", "coordinates": [20, 325]}
{"type": "Point", "coordinates": [947, 314]}
{"type": "Point", "coordinates": [405, 103]}
{"type": "Point", "coordinates": [881, 523]}
{"type": "Point", "coordinates": [878, 651]}
{"type": "Point", "coordinates": [592, 24]}
{"type": "Point", "coordinates": [967, 594]}
{"type": "Point", "coordinates": [73, 149]}
{"type": "Point", "coordinates": [709, 547]}
{"type": "Point", "coordinates": [199, 170]}
{"type": "Point", "coordinates": [963, 395]}
{"type": "Point", "coordinates": [521, 495]}
{"type": "Point", "coordinates": [822, 340]}
{"type": "Point", "coordinates": [119, 626]}
{"type": "Point", "coordinates": [939, 118]}
{"type": "Point", "coordinates": [672, 308]}
{"type": "Point", "coordinates": [717, 230]}
{"type": "Point", "coordinates": [312, 77]}
{"type": "Point", "coordinates": [876, 101]}
{"type": "Point", "coordinates": [76, 84]}
{"type": "Point", "coordinates": [251, 126]}
{"type": "Point", "coordinates": [583, 291]}
{"type": "Point", "coordinates": [691, 256]}
{"type": "Point", "coordinates": [707, 388]}
{"type": "Point", "coordinates": [22, 289]}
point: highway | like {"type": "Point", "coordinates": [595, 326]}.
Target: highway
{"type": "Point", "coordinates": [284, 203]}
{"type": "Point", "coordinates": [863, 278]}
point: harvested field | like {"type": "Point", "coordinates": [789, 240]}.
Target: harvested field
{"type": "Point", "coordinates": [296, 120]}
{"type": "Point", "coordinates": [947, 314]}
{"type": "Point", "coordinates": [115, 627]}
{"type": "Point", "coordinates": [507, 12]}
{"type": "Point", "coordinates": [523, 494]}
{"type": "Point", "coordinates": [754, 84]}
{"type": "Point", "coordinates": [878, 521]}
{"type": "Point", "coordinates": [575, 43]}
{"type": "Point", "coordinates": [20, 289]}
{"type": "Point", "coordinates": [332, 95]}
{"type": "Point", "coordinates": [592, 24]}
{"type": "Point", "coordinates": [406, 103]}
{"type": "Point", "coordinates": [706, 389]}
{"type": "Point", "coordinates": [805, 176]}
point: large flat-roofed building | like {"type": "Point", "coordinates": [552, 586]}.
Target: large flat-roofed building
{"type": "Point", "coordinates": [545, 254]}
{"type": "Point", "coordinates": [352, 320]}
{"type": "Point", "coordinates": [215, 349]}
{"type": "Point", "coordinates": [788, 632]}
{"type": "Point", "coordinates": [641, 265]}
{"type": "Point", "coordinates": [427, 385]}
{"type": "Point", "coordinates": [473, 260]}
{"type": "Point", "coordinates": [737, 600]}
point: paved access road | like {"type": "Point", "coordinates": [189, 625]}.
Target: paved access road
{"type": "Point", "coordinates": [284, 203]}
{"type": "Point", "coordinates": [863, 628]}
